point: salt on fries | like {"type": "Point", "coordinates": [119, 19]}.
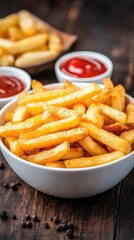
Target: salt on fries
{"type": "Point", "coordinates": [70, 127]}
{"type": "Point", "coordinates": [24, 41]}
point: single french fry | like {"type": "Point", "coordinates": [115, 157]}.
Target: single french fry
{"type": "Point", "coordinates": [54, 37]}
{"type": "Point", "coordinates": [130, 113]}
{"type": "Point", "coordinates": [107, 138]}
{"type": "Point", "coordinates": [92, 147]}
{"type": "Point", "coordinates": [117, 101]}
{"type": "Point", "coordinates": [8, 22]}
{"type": "Point", "coordinates": [27, 44]}
{"type": "Point", "coordinates": [27, 23]}
{"type": "Point", "coordinates": [35, 57]}
{"type": "Point", "coordinates": [41, 96]}
{"type": "Point", "coordinates": [103, 96]}
{"type": "Point", "coordinates": [79, 108]}
{"type": "Point", "coordinates": [74, 153]}
{"type": "Point", "coordinates": [5, 43]}
{"type": "Point", "coordinates": [108, 83]}
{"type": "Point", "coordinates": [118, 128]}
{"type": "Point", "coordinates": [51, 155]}
{"type": "Point", "coordinates": [61, 112]}
{"type": "Point", "coordinates": [108, 120]}
{"type": "Point", "coordinates": [3, 51]}
{"type": "Point", "coordinates": [13, 145]}
{"type": "Point", "coordinates": [7, 60]}
{"type": "Point", "coordinates": [15, 33]}
{"type": "Point", "coordinates": [28, 125]}
{"type": "Point", "coordinates": [37, 86]}
{"type": "Point", "coordinates": [57, 47]}
{"type": "Point", "coordinates": [50, 140]}
{"type": "Point", "coordinates": [95, 115]}
{"type": "Point", "coordinates": [59, 164]}
{"type": "Point", "coordinates": [21, 113]}
{"type": "Point", "coordinates": [93, 161]}
{"type": "Point", "coordinates": [69, 85]}
{"type": "Point", "coordinates": [129, 136]}
{"type": "Point", "coordinates": [53, 127]}
{"type": "Point", "coordinates": [9, 116]}
{"type": "Point", "coordinates": [113, 113]}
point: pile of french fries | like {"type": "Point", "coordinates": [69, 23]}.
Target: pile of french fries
{"type": "Point", "coordinates": [26, 41]}
{"type": "Point", "coordinates": [71, 127]}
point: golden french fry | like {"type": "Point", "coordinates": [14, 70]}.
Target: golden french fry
{"type": "Point", "coordinates": [118, 128]}
{"type": "Point", "coordinates": [54, 37]}
{"type": "Point", "coordinates": [5, 43]}
{"type": "Point", "coordinates": [61, 112]}
{"type": "Point", "coordinates": [92, 147]}
{"type": "Point", "coordinates": [74, 153]}
{"type": "Point", "coordinates": [3, 51]}
{"type": "Point", "coordinates": [7, 60]}
{"type": "Point", "coordinates": [15, 33]}
{"type": "Point", "coordinates": [25, 98]}
{"type": "Point", "coordinates": [13, 145]}
{"type": "Point", "coordinates": [118, 101]}
{"type": "Point", "coordinates": [59, 164]}
{"type": "Point", "coordinates": [129, 136]}
{"type": "Point", "coordinates": [69, 85]}
{"type": "Point", "coordinates": [21, 113]}
{"type": "Point", "coordinates": [103, 96]}
{"type": "Point", "coordinates": [79, 108]}
{"type": "Point", "coordinates": [27, 44]}
{"type": "Point", "coordinates": [113, 113]}
{"type": "Point", "coordinates": [28, 125]}
{"type": "Point", "coordinates": [93, 161]}
{"type": "Point", "coordinates": [57, 47]}
{"type": "Point", "coordinates": [50, 140]}
{"type": "Point", "coordinates": [107, 138]}
{"type": "Point", "coordinates": [35, 58]}
{"type": "Point", "coordinates": [51, 155]}
{"type": "Point", "coordinates": [108, 120]}
{"type": "Point", "coordinates": [37, 86]}
{"type": "Point", "coordinates": [108, 83]}
{"type": "Point", "coordinates": [130, 113]}
{"type": "Point", "coordinates": [95, 115]}
{"type": "Point", "coordinates": [9, 116]}
{"type": "Point", "coordinates": [53, 127]}
{"type": "Point", "coordinates": [8, 22]}
{"type": "Point", "coordinates": [27, 23]}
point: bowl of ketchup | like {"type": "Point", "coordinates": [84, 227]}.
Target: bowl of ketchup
{"type": "Point", "coordinates": [12, 82]}
{"type": "Point", "coordinates": [83, 66]}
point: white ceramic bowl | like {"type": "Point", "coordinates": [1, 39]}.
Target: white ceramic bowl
{"type": "Point", "coordinates": [67, 183]}
{"type": "Point", "coordinates": [18, 73]}
{"type": "Point", "coordinates": [86, 55]}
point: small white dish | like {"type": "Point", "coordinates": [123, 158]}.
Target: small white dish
{"type": "Point", "coordinates": [18, 73]}
{"type": "Point", "coordinates": [61, 76]}
{"type": "Point", "coordinates": [67, 183]}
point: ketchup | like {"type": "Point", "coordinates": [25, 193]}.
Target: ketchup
{"type": "Point", "coordinates": [10, 86]}
{"type": "Point", "coordinates": [83, 68]}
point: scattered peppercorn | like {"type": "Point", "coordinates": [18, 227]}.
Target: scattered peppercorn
{"type": "Point", "coordinates": [28, 217]}
{"type": "Point", "coordinates": [29, 224]}
{"type": "Point", "coordinates": [35, 218]}
{"type": "Point", "coordinates": [6, 185]}
{"type": "Point", "coordinates": [70, 225]}
{"type": "Point", "coordinates": [46, 225]}
{"type": "Point", "coordinates": [59, 228]}
{"type": "Point", "coordinates": [69, 233]}
{"type": "Point", "coordinates": [51, 219]}
{"type": "Point", "coordinates": [1, 165]}
{"type": "Point", "coordinates": [18, 184]}
{"type": "Point", "coordinates": [13, 186]}
{"type": "Point", "coordinates": [14, 217]}
{"type": "Point", "coordinates": [23, 224]}
{"type": "Point", "coordinates": [56, 219]}
{"type": "Point", "coordinates": [3, 214]}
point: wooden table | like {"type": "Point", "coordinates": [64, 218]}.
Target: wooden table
{"type": "Point", "coordinates": [106, 27]}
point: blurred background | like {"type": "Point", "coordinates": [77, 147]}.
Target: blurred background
{"type": "Point", "coordinates": [105, 26]}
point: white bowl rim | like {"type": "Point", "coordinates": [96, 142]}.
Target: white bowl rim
{"type": "Point", "coordinates": [105, 165]}
{"type": "Point", "coordinates": [16, 70]}
{"type": "Point", "coordinates": [106, 60]}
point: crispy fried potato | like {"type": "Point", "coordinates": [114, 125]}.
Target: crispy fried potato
{"type": "Point", "coordinates": [51, 155]}
{"type": "Point", "coordinates": [129, 136]}
{"type": "Point", "coordinates": [59, 164]}
{"type": "Point", "coordinates": [118, 128]}
{"type": "Point", "coordinates": [93, 161]}
{"type": "Point", "coordinates": [13, 145]}
{"type": "Point", "coordinates": [79, 108]}
{"type": "Point", "coordinates": [53, 127]}
{"type": "Point", "coordinates": [7, 22]}
{"type": "Point", "coordinates": [113, 113]}
{"type": "Point", "coordinates": [95, 115]}
{"type": "Point", "coordinates": [20, 114]}
{"type": "Point", "coordinates": [108, 83]}
{"type": "Point", "coordinates": [74, 153]}
{"type": "Point", "coordinates": [7, 60]}
{"type": "Point", "coordinates": [37, 86]}
{"type": "Point", "coordinates": [69, 85]}
{"type": "Point", "coordinates": [15, 33]}
{"type": "Point", "coordinates": [130, 113]}
{"type": "Point", "coordinates": [9, 116]}
{"type": "Point", "coordinates": [103, 96]}
{"type": "Point", "coordinates": [50, 140]}
{"type": "Point", "coordinates": [92, 147]}
{"type": "Point", "coordinates": [107, 138]}
{"type": "Point", "coordinates": [27, 23]}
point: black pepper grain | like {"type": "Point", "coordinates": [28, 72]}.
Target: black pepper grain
{"type": "Point", "coordinates": [28, 217]}
{"type": "Point", "coordinates": [56, 219]}
{"type": "Point", "coordinates": [69, 233]}
{"type": "Point", "coordinates": [18, 184]}
{"type": "Point", "coordinates": [13, 186]}
{"type": "Point", "coordinates": [70, 225]}
{"type": "Point", "coordinates": [3, 214]}
{"type": "Point", "coordinates": [35, 218]}
{"type": "Point", "coordinates": [29, 224]}
{"type": "Point", "coordinates": [1, 165]}
{"type": "Point", "coordinates": [14, 217]}
{"type": "Point", "coordinates": [23, 224]}
{"type": "Point", "coordinates": [46, 225]}
{"type": "Point", "coordinates": [6, 185]}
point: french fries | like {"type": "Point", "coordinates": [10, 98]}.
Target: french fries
{"type": "Point", "coordinates": [27, 40]}
{"type": "Point", "coordinates": [70, 127]}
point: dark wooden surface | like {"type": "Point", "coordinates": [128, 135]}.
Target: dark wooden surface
{"type": "Point", "coordinates": [106, 27]}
